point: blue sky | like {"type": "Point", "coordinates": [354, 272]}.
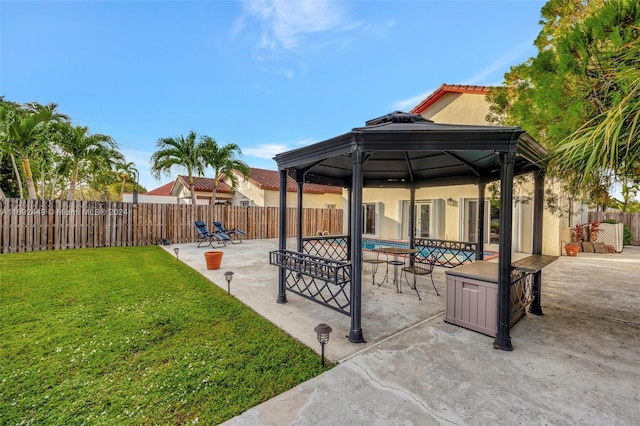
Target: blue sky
{"type": "Point", "coordinates": [269, 76]}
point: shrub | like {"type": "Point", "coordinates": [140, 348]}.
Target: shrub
{"type": "Point", "coordinates": [626, 239]}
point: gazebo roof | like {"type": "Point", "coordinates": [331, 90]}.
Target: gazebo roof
{"type": "Point", "coordinates": [404, 150]}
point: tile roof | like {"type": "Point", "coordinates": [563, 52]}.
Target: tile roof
{"type": "Point", "coordinates": [270, 180]}
{"type": "Point", "coordinates": [264, 179]}
{"type": "Point", "coordinates": [161, 190]}
{"type": "Point", "coordinates": [204, 184]}
{"type": "Point", "coordinates": [448, 88]}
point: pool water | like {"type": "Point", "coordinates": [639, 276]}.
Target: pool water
{"type": "Point", "coordinates": [458, 256]}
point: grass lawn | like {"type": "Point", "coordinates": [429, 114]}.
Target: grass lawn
{"type": "Point", "coordinates": [132, 336]}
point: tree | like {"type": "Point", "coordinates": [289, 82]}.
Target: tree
{"type": "Point", "coordinates": [179, 152]}
{"type": "Point", "coordinates": [127, 171]}
{"type": "Point", "coordinates": [9, 113]}
{"type": "Point", "coordinates": [26, 135]}
{"type": "Point", "coordinates": [223, 161]}
{"type": "Point", "coordinates": [606, 48]}
{"type": "Point", "coordinates": [582, 75]}
{"type": "Point", "coordinates": [97, 151]}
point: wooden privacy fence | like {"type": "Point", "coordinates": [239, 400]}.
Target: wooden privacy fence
{"type": "Point", "coordinates": [31, 225]}
{"type": "Point", "coordinates": [632, 220]}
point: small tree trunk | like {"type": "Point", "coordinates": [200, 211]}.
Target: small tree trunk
{"type": "Point", "coordinates": [72, 190]}
{"type": "Point", "coordinates": [72, 184]}
{"type": "Point", "coordinates": [193, 194]}
{"type": "Point", "coordinates": [18, 178]}
{"type": "Point", "coordinates": [213, 195]}
{"type": "Point", "coordinates": [31, 186]}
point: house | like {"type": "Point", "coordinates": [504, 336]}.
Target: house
{"type": "Point", "coordinates": [263, 186]}
{"type": "Point", "coordinates": [177, 192]}
{"type": "Point", "coordinates": [261, 189]}
{"type": "Point", "coordinates": [450, 213]}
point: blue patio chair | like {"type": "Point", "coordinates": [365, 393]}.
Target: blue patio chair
{"type": "Point", "coordinates": [204, 236]}
{"type": "Point", "coordinates": [236, 234]}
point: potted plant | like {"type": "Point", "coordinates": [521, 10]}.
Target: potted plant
{"type": "Point", "coordinates": [213, 259]}
{"type": "Point", "coordinates": [572, 250]}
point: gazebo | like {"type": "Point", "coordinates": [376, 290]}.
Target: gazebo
{"type": "Point", "coordinates": [404, 150]}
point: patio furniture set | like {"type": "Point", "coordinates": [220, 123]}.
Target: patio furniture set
{"type": "Point", "coordinates": [418, 264]}
{"type": "Point", "coordinates": [220, 236]}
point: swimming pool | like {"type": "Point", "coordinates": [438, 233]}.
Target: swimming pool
{"type": "Point", "coordinates": [448, 257]}
{"type": "Point", "coordinates": [446, 253]}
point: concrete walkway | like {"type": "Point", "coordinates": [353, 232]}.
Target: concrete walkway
{"type": "Point", "coordinates": [577, 364]}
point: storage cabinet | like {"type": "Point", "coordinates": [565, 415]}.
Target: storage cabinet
{"type": "Point", "coordinates": [472, 298]}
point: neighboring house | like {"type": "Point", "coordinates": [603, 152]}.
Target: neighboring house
{"type": "Point", "coordinates": [260, 190]}
{"type": "Point", "coordinates": [177, 192]}
{"type": "Point", "coordinates": [161, 195]}
{"type": "Point", "coordinates": [449, 213]}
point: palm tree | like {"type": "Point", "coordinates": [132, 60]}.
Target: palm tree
{"type": "Point", "coordinates": [8, 114]}
{"type": "Point", "coordinates": [223, 161]}
{"type": "Point", "coordinates": [127, 171]}
{"type": "Point", "coordinates": [26, 136]}
{"type": "Point", "coordinates": [98, 151]}
{"type": "Point", "coordinates": [181, 152]}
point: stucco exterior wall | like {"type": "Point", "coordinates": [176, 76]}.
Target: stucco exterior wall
{"type": "Point", "coordinates": [247, 191]}
{"type": "Point", "coordinates": [459, 108]}
{"type": "Point", "coordinates": [150, 199]}
{"type": "Point", "coordinates": [390, 201]}
{"type": "Point", "coordinates": [309, 201]}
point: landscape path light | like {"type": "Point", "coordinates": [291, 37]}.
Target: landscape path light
{"type": "Point", "coordinates": [323, 330]}
{"type": "Point", "coordinates": [228, 276]}
{"type": "Point", "coordinates": [176, 250]}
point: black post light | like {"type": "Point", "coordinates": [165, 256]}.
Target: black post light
{"type": "Point", "coordinates": [323, 331]}
{"type": "Point", "coordinates": [176, 250]}
{"type": "Point", "coordinates": [228, 276]}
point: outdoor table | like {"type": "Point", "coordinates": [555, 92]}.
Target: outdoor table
{"type": "Point", "coordinates": [534, 263]}
{"type": "Point", "coordinates": [396, 252]}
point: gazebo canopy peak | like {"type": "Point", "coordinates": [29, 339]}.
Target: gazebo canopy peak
{"type": "Point", "coordinates": [403, 149]}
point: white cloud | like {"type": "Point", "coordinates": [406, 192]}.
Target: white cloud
{"type": "Point", "coordinates": [305, 142]}
{"type": "Point", "coordinates": [514, 56]}
{"type": "Point", "coordinates": [266, 151]}
{"type": "Point", "coordinates": [407, 104]}
{"type": "Point", "coordinates": [285, 23]}
{"type": "Point", "coordinates": [269, 150]}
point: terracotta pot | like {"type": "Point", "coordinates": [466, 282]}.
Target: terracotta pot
{"type": "Point", "coordinates": [213, 258]}
{"type": "Point", "coordinates": [572, 250]}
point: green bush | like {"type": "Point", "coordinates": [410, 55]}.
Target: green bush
{"type": "Point", "coordinates": [612, 221]}
{"type": "Point", "coordinates": [626, 239]}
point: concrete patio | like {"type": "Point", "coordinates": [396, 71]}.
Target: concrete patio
{"type": "Point", "coordinates": [577, 364]}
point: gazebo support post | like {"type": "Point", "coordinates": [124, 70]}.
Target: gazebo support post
{"type": "Point", "coordinates": [503, 339]}
{"type": "Point", "coordinates": [349, 229]}
{"type": "Point", "coordinates": [299, 184]}
{"type": "Point", "coordinates": [412, 220]}
{"type": "Point", "coordinates": [355, 333]}
{"type": "Point", "coordinates": [538, 211]}
{"type": "Point", "coordinates": [481, 218]}
{"type": "Point", "coordinates": [282, 235]}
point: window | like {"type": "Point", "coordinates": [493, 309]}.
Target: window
{"type": "Point", "coordinates": [369, 218]}
{"type": "Point", "coordinates": [330, 206]}
{"type": "Point", "coordinates": [491, 221]}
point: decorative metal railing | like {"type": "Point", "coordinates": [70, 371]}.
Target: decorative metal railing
{"type": "Point", "coordinates": [330, 247]}
{"type": "Point", "coordinates": [521, 290]}
{"type": "Point", "coordinates": [322, 280]}
{"type": "Point", "coordinates": [447, 253]}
